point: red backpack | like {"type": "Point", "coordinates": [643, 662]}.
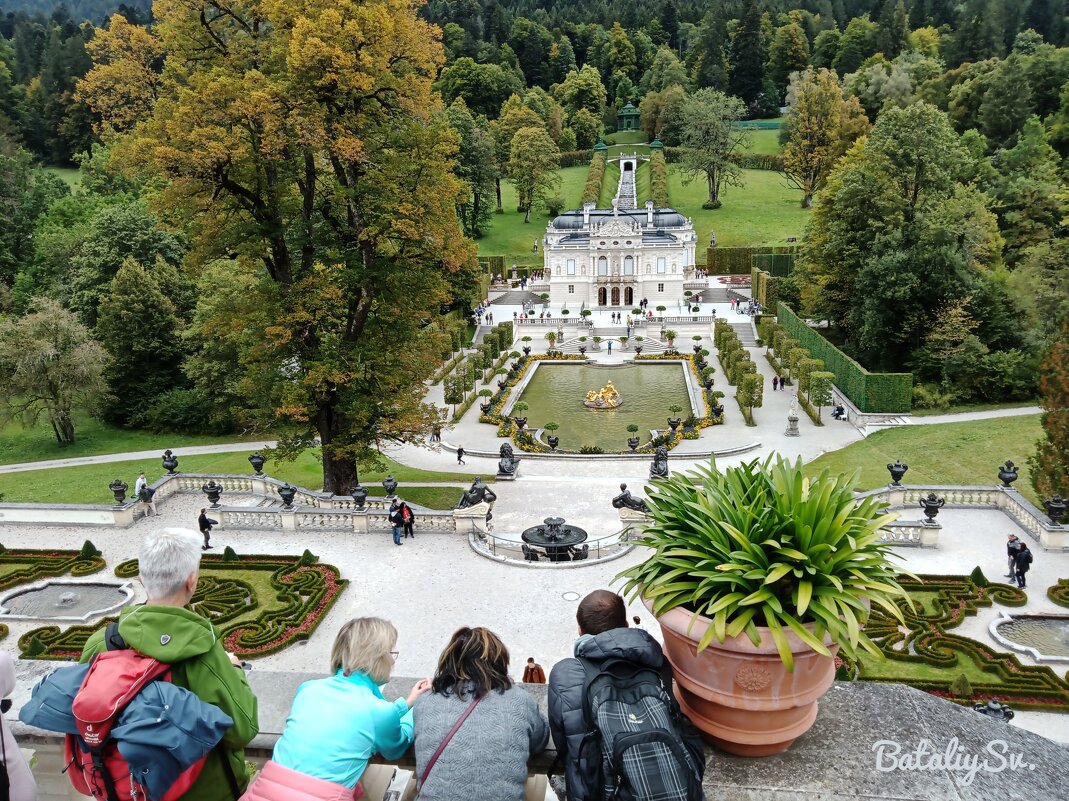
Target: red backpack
{"type": "Point", "coordinates": [95, 766]}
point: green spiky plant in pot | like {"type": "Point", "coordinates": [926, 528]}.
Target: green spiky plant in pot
{"type": "Point", "coordinates": [758, 576]}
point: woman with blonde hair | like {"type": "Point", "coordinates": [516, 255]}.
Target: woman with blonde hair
{"type": "Point", "coordinates": [338, 723]}
{"type": "Point", "coordinates": [475, 729]}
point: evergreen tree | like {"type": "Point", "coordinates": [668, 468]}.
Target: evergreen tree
{"type": "Point", "coordinates": [707, 59]}
{"type": "Point", "coordinates": [894, 28]}
{"type": "Point", "coordinates": [139, 327]}
{"type": "Point", "coordinates": [670, 22]}
{"type": "Point", "coordinates": [826, 47]}
{"type": "Point", "coordinates": [476, 166]}
{"type": "Point", "coordinates": [857, 43]}
{"type": "Point", "coordinates": [1050, 464]}
{"type": "Point", "coordinates": [1007, 104]}
{"type": "Point", "coordinates": [666, 70]}
{"type": "Point", "coordinates": [747, 68]}
{"type": "Point", "coordinates": [620, 56]}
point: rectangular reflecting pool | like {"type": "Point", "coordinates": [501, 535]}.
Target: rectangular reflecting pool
{"type": "Point", "coordinates": [556, 393]}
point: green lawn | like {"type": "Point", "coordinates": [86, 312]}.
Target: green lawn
{"type": "Point", "coordinates": [764, 141]}
{"type": "Point", "coordinates": [642, 183]}
{"type": "Point", "coordinates": [511, 237]}
{"type": "Point", "coordinates": [609, 182]}
{"type": "Point", "coordinates": [18, 444]}
{"type": "Point", "coordinates": [627, 138]}
{"type": "Point", "coordinates": [71, 176]}
{"type": "Point", "coordinates": [972, 407]}
{"type": "Point", "coordinates": [89, 484]}
{"type": "Point", "coordinates": [765, 210]}
{"type": "Point", "coordinates": [947, 453]}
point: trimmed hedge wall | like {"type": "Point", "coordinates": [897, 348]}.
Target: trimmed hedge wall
{"type": "Point", "coordinates": [575, 158]}
{"type": "Point", "coordinates": [748, 161]}
{"type": "Point", "coordinates": [592, 188]}
{"type": "Point", "coordinates": [764, 287]}
{"type": "Point", "coordinates": [659, 180]}
{"type": "Point", "coordinates": [890, 393]}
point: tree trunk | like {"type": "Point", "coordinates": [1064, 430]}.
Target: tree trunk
{"type": "Point", "coordinates": [339, 472]}
{"type": "Point", "coordinates": [62, 427]}
{"type": "Point", "coordinates": [807, 200]}
{"type": "Point", "coordinates": [527, 213]}
{"type": "Point", "coordinates": [497, 186]}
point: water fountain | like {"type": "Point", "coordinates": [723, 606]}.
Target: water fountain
{"type": "Point", "coordinates": [558, 539]}
{"type": "Point", "coordinates": [65, 599]}
{"type": "Point", "coordinates": [1043, 637]}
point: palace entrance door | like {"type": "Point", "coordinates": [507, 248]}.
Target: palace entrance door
{"type": "Point", "coordinates": [616, 296]}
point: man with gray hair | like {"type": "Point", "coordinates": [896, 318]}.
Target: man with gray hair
{"type": "Point", "coordinates": [162, 628]}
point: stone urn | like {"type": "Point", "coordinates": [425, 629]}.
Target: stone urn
{"type": "Point", "coordinates": [701, 364]}
{"type": "Point", "coordinates": [521, 422]}
{"type": "Point", "coordinates": [553, 442]}
{"type": "Point", "coordinates": [213, 490]}
{"type": "Point", "coordinates": [582, 350]}
{"type": "Point", "coordinates": [257, 461]}
{"type": "Point", "coordinates": [897, 470]}
{"type": "Point", "coordinates": [708, 382]}
{"type": "Point", "coordinates": [526, 350]}
{"type": "Point", "coordinates": [170, 462]}
{"type": "Point", "coordinates": [697, 348]}
{"type": "Point", "coordinates": [638, 350]}
{"type": "Point", "coordinates": [673, 423]}
{"type": "Point", "coordinates": [515, 366]}
{"type": "Point", "coordinates": [741, 696]}
{"type": "Point", "coordinates": [1055, 509]}
{"type": "Point", "coordinates": [931, 506]}
{"type": "Point", "coordinates": [359, 493]}
{"type": "Point", "coordinates": [287, 492]}
{"type": "Point", "coordinates": [501, 384]}
{"type": "Point", "coordinates": [717, 410]}
{"type": "Point", "coordinates": [1007, 474]}
{"type": "Point", "coordinates": [390, 485]}
{"type": "Point", "coordinates": [118, 488]}
{"type": "Point", "coordinates": [632, 443]}
{"type": "Point", "coordinates": [484, 408]}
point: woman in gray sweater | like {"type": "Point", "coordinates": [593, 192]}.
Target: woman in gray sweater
{"type": "Point", "coordinates": [487, 756]}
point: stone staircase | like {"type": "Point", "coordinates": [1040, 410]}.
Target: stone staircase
{"type": "Point", "coordinates": [714, 294]}
{"type": "Point", "coordinates": [747, 338]}
{"type": "Point", "coordinates": [649, 344]}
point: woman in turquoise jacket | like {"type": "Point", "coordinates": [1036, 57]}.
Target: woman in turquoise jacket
{"type": "Point", "coordinates": [338, 723]}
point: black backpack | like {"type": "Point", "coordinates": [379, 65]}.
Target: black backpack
{"type": "Point", "coordinates": [639, 746]}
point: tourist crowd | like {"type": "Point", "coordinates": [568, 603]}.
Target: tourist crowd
{"type": "Point", "coordinates": [472, 728]}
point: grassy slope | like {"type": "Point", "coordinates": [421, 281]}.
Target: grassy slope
{"type": "Point", "coordinates": [70, 175]}
{"type": "Point", "coordinates": [765, 210]}
{"type": "Point", "coordinates": [764, 141]}
{"type": "Point", "coordinates": [18, 444]}
{"type": "Point", "coordinates": [951, 453]}
{"type": "Point", "coordinates": [609, 182]}
{"type": "Point", "coordinates": [89, 484]}
{"type": "Point", "coordinates": [509, 235]}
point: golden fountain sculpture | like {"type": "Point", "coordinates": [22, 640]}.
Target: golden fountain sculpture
{"type": "Point", "coordinates": [605, 398]}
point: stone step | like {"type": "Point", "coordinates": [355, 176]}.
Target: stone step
{"type": "Point", "coordinates": [747, 338]}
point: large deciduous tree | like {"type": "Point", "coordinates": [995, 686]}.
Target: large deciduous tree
{"type": "Point", "coordinates": [822, 126]}
{"type": "Point", "coordinates": [898, 233]}
{"type": "Point", "coordinates": [49, 366]}
{"type": "Point", "coordinates": [532, 168]}
{"type": "Point", "coordinates": [304, 141]}
{"type": "Point", "coordinates": [710, 135]}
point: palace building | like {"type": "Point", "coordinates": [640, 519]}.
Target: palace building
{"type": "Point", "coordinates": [616, 257]}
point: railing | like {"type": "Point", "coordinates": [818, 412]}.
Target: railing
{"type": "Point", "coordinates": [510, 548]}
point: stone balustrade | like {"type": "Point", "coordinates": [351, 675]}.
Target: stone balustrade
{"type": "Point", "coordinates": [1009, 501]}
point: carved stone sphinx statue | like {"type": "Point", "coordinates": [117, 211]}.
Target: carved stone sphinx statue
{"type": "Point", "coordinates": [476, 505]}
{"type": "Point", "coordinates": [478, 493]}
{"type": "Point", "coordinates": [508, 463]}
{"type": "Point", "coordinates": [632, 510]}
{"type": "Point", "coordinates": [659, 467]}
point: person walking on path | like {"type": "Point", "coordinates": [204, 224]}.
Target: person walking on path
{"type": "Point", "coordinates": [204, 524]}
{"type": "Point", "coordinates": [460, 456]}
{"type": "Point", "coordinates": [1024, 563]}
{"type": "Point", "coordinates": [144, 493]}
{"type": "Point", "coordinates": [407, 519]}
{"type": "Point", "coordinates": [533, 673]}
{"type": "Point", "coordinates": [396, 521]}
{"type": "Point", "coordinates": [1013, 547]}
{"type": "Point", "coordinates": [775, 383]}
{"type": "Point", "coordinates": [610, 347]}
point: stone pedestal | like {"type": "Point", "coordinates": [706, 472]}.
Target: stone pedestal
{"type": "Point", "coordinates": [473, 519]}
{"type": "Point", "coordinates": [792, 426]}
{"type": "Point", "coordinates": [930, 535]}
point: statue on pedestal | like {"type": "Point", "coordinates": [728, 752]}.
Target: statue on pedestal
{"type": "Point", "coordinates": [631, 508]}
{"type": "Point", "coordinates": [508, 463]}
{"type": "Point", "coordinates": [659, 467]}
{"type": "Point", "coordinates": [478, 493]}
{"type": "Point", "coordinates": [605, 398]}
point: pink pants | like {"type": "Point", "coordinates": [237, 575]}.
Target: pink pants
{"type": "Point", "coordinates": [276, 783]}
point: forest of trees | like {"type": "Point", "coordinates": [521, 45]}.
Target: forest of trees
{"type": "Point", "coordinates": [230, 261]}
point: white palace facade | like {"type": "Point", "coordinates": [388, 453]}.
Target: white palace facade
{"type": "Point", "coordinates": [616, 257]}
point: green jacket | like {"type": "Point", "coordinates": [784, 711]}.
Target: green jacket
{"type": "Point", "coordinates": [188, 642]}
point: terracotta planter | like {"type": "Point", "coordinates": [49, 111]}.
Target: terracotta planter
{"type": "Point", "coordinates": [740, 696]}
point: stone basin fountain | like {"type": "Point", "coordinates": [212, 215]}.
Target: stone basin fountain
{"type": "Point", "coordinates": [1043, 637]}
{"type": "Point", "coordinates": [65, 599]}
{"type": "Point", "coordinates": [559, 539]}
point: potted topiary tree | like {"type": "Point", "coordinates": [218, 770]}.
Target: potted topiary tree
{"type": "Point", "coordinates": [520, 408]}
{"type": "Point", "coordinates": [526, 346]}
{"type": "Point", "coordinates": [623, 343]}
{"type": "Point", "coordinates": [673, 422]}
{"type": "Point", "coordinates": [552, 440]}
{"type": "Point", "coordinates": [661, 310]}
{"type": "Point", "coordinates": [632, 441]}
{"type": "Point", "coordinates": [670, 335]}
{"type": "Point", "coordinates": [552, 337]}
{"type": "Point", "coordinates": [484, 407]}
{"type": "Point", "coordinates": [758, 575]}
{"type": "Point", "coordinates": [597, 343]}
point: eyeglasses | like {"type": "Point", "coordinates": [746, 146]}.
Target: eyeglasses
{"type": "Point", "coordinates": [395, 654]}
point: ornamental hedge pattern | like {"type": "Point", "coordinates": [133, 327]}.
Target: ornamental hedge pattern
{"type": "Point", "coordinates": [941, 604]}
{"type": "Point", "coordinates": [870, 392]}
{"type": "Point", "coordinates": [304, 592]}
{"type": "Point", "coordinates": [1059, 593]}
{"type": "Point", "coordinates": [25, 565]}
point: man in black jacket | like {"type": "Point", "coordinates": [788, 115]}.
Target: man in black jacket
{"type": "Point", "coordinates": [603, 634]}
{"type": "Point", "coordinates": [205, 523]}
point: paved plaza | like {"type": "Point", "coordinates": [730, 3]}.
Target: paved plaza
{"type": "Point", "coordinates": [436, 583]}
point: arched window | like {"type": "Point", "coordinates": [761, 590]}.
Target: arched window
{"type": "Point", "coordinates": [629, 265]}
{"type": "Point", "coordinates": [603, 266]}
